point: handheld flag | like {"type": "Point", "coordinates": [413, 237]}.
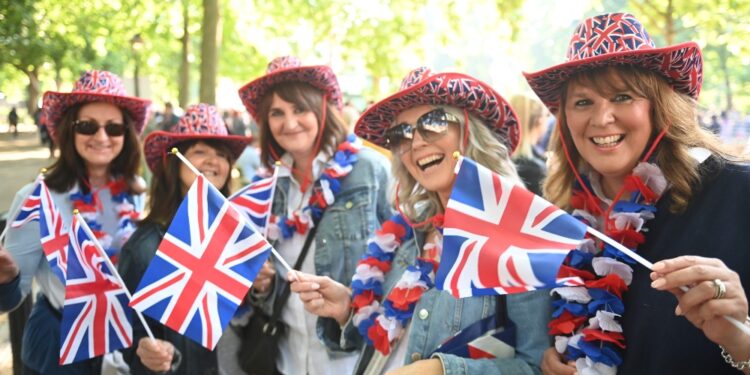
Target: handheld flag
{"type": "Point", "coordinates": [499, 238]}
{"type": "Point", "coordinates": [95, 318]}
{"type": "Point", "coordinates": [254, 201]}
{"type": "Point", "coordinates": [203, 267]}
{"type": "Point", "coordinates": [29, 209]}
{"type": "Point", "coordinates": [482, 339]}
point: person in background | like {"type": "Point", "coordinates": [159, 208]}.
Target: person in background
{"type": "Point", "coordinates": [13, 122]}
{"type": "Point", "coordinates": [168, 118]}
{"type": "Point", "coordinates": [528, 157]}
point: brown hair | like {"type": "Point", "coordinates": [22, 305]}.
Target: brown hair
{"type": "Point", "coordinates": [529, 111]}
{"type": "Point", "coordinates": [165, 193]}
{"type": "Point", "coordinates": [70, 167]}
{"type": "Point", "coordinates": [670, 110]}
{"type": "Point", "coordinates": [307, 98]}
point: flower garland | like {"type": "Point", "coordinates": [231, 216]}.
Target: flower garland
{"type": "Point", "coordinates": [324, 192]}
{"type": "Point", "coordinates": [586, 317]}
{"type": "Point", "coordinates": [381, 325]}
{"type": "Point", "coordinates": [90, 207]}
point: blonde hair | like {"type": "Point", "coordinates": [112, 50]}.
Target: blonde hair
{"type": "Point", "coordinates": [418, 203]}
{"type": "Point", "coordinates": [670, 110]}
{"type": "Point", "coordinates": [529, 111]}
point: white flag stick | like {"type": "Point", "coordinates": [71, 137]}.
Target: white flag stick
{"type": "Point", "coordinates": [112, 269]}
{"type": "Point", "coordinates": [12, 217]}
{"type": "Point", "coordinates": [650, 266]}
{"type": "Point", "coordinates": [176, 152]}
{"type": "Point", "coordinates": [276, 167]}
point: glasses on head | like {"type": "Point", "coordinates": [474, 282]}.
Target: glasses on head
{"type": "Point", "coordinates": [431, 126]}
{"type": "Point", "coordinates": [91, 127]}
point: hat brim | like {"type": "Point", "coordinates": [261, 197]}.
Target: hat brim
{"type": "Point", "coordinates": [56, 103]}
{"type": "Point", "coordinates": [681, 65]}
{"type": "Point", "coordinates": [440, 89]}
{"type": "Point", "coordinates": [318, 76]}
{"type": "Point", "coordinates": [157, 144]}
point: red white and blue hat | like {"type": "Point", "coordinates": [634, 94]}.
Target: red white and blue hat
{"type": "Point", "coordinates": [200, 122]}
{"type": "Point", "coordinates": [289, 69]}
{"type": "Point", "coordinates": [422, 86]}
{"type": "Point", "coordinates": [619, 39]}
{"type": "Point", "coordinates": [94, 86]}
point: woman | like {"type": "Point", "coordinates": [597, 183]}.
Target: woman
{"type": "Point", "coordinates": [628, 136]}
{"type": "Point", "coordinates": [529, 159]}
{"type": "Point", "coordinates": [432, 116]}
{"type": "Point", "coordinates": [96, 127]}
{"type": "Point", "coordinates": [326, 180]}
{"type": "Point", "coordinates": [202, 137]}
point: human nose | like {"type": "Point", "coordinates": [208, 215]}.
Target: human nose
{"type": "Point", "coordinates": [101, 133]}
{"type": "Point", "coordinates": [603, 114]}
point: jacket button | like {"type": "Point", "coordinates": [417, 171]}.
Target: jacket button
{"type": "Point", "coordinates": [423, 314]}
{"type": "Point", "coordinates": [415, 357]}
{"type": "Point", "coordinates": [324, 240]}
{"type": "Point", "coordinates": [348, 205]}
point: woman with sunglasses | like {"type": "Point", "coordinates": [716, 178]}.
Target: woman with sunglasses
{"type": "Point", "coordinates": [96, 127]}
{"type": "Point", "coordinates": [202, 137]}
{"type": "Point", "coordinates": [630, 158]}
{"type": "Point", "coordinates": [392, 305]}
{"type": "Point", "coordinates": [328, 183]}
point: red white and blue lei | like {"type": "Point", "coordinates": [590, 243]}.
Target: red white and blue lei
{"type": "Point", "coordinates": [586, 318]}
{"type": "Point", "coordinates": [323, 195]}
{"type": "Point", "coordinates": [382, 325]}
{"type": "Point", "coordinates": [90, 207]}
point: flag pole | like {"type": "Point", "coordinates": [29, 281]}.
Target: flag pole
{"type": "Point", "coordinates": [112, 268]}
{"type": "Point", "coordinates": [12, 217]}
{"type": "Point", "coordinates": [177, 153]}
{"type": "Point", "coordinates": [632, 254]}
{"type": "Point", "coordinates": [276, 167]}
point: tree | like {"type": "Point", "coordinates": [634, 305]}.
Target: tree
{"type": "Point", "coordinates": [209, 50]}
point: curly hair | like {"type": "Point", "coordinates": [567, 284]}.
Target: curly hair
{"type": "Point", "coordinates": [483, 146]}
{"type": "Point", "coordinates": [670, 111]}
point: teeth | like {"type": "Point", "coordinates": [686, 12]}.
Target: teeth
{"type": "Point", "coordinates": [428, 160]}
{"type": "Point", "coordinates": [209, 173]}
{"type": "Point", "coordinates": [608, 140]}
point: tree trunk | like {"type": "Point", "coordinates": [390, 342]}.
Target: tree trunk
{"type": "Point", "coordinates": [32, 89]}
{"type": "Point", "coordinates": [210, 50]}
{"type": "Point", "coordinates": [184, 79]}
{"type": "Point", "coordinates": [669, 14]}
{"type": "Point", "coordinates": [723, 57]}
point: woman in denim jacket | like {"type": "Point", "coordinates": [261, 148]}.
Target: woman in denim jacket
{"type": "Point", "coordinates": [326, 179]}
{"type": "Point", "coordinates": [401, 318]}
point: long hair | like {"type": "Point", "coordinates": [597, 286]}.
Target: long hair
{"type": "Point", "coordinates": [529, 111]}
{"type": "Point", "coordinates": [306, 98]}
{"type": "Point", "coordinates": [670, 110]}
{"type": "Point", "coordinates": [166, 194]}
{"type": "Point", "coordinates": [484, 147]}
{"type": "Point", "coordinates": [70, 168]}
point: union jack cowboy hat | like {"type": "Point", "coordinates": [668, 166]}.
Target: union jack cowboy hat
{"type": "Point", "coordinates": [94, 86]}
{"type": "Point", "coordinates": [422, 86]}
{"type": "Point", "coordinates": [200, 122]}
{"type": "Point", "coordinates": [619, 39]}
{"type": "Point", "coordinates": [290, 69]}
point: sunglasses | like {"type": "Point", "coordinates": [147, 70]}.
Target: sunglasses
{"type": "Point", "coordinates": [90, 127]}
{"type": "Point", "coordinates": [431, 126]}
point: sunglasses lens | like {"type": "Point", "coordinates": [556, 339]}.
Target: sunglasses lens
{"type": "Point", "coordinates": [433, 125]}
{"type": "Point", "coordinates": [114, 130]}
{"type": "Point", "coordinates": [396, 136]}
{"type": "Point", "coordinates": [86, 127]}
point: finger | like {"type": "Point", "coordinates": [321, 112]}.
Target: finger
{"type": "Point", "coordinates": [310, 296]}
{"type": "Point", "coordinates": [552, 364]}
{"type": "Point", "coordinates": [670, 265]}
{"type": "Point", "coordinates": [690, 276]}
{"type": "Point", "coordinates": [302, 286]}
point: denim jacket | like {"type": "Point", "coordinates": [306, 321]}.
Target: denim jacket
{"type": "Point", "coordinates": [438, 316]}
{"type": "Point", "coordinates": [361, 206]}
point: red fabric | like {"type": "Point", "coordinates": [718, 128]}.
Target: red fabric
{"type": "Point", "coordinates": [611, 283]}
{"type": "Point", "coordinates": [613, 337]}
{"type": "Point", "coordinates": [566, 323]}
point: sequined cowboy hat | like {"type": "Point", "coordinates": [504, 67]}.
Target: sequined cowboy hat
{"type": "Point", "coordinates": [619, 39]}
{"type": "Point", "coordinates": [290, 69]}
{"type": "Point", "coordinates": [200, 121]}
{"type": "Point", "coordinates": [422, 86]}
{"type": "Point", "coordinates": [94, 86]}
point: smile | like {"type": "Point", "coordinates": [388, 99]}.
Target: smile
{"type": "Point", "coordinates": [608, 141]}
{"type": "Point", "coordinates": [430, 161]}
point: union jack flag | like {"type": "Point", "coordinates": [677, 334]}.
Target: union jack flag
{"type": "Point", "coordinates": [203, 267]}
{"type": "Point", "coordinates": [53, 234]}
{"type": "Point", "coordinates": [482, 339]}
{"type": "Point", "coordinates": [96, 316]}
{"type": "Point", "coordinates": [254, 201]}
{"type": "Point", "coordinates": [500, 238]}
{"type": "Point", "coordinates": [29, 210]}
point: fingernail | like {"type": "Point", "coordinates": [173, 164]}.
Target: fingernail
{"type": "Point", "coordinates": [678, 310]}
{"type": "Point", "coordinates": [658, 283]}
{"type": "Point", "coordinates": [315, 286]}
{"type": "Point", "coordinates": [658, 266]}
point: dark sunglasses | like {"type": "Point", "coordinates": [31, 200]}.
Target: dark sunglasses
{"type": "Point", "coordinates": [431, 127]}
{"type": "Point", "coordinates": [90, 127]}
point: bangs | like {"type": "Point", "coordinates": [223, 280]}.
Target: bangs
{"type": "Point", "coordinates": [608, 81]}
{"type": "Point", "coordinates": [300, 94]}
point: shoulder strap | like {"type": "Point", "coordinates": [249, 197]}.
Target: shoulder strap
{"type": "Point", "coordinates": [279, 303]}
{"type": "Point", "coordinates": [501, 311]}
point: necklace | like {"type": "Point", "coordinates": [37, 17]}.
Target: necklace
{"type": "Point", "coordinates": [323, 195]}
{"type": "Point", "coordinates": [586, 318]}
{"type": "Point", "coordinates": [382, 325]}
{"type": "Point", "coordinates": [90, 207]}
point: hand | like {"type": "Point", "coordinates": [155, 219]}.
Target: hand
{"type": "Point", "coordinates": [156, 355]}
{"type": "Point", "coordinates": [322, 296]}
{"type": "Point", "coordinates": [8, 267]}
{"type": "Point", "coordinates": [262, 283]}
{"type": "Point", "coordinates": [425, 366]}
{"type": "Point", "coordinates": [552, 364]}
{"type": "Point", "coordinates": [698, 304]}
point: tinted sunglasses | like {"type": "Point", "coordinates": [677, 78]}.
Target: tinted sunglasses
{"type": "Point", "coordinates": [91, 127]}
{"type": "Point", "coordinates": [431, 127]}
